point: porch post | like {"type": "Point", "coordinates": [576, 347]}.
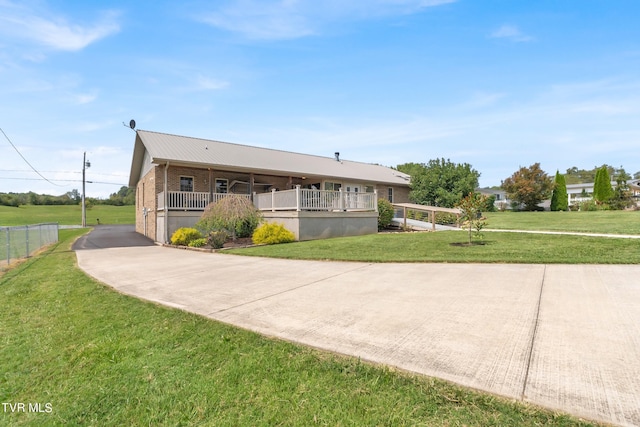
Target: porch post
{"type": "Point", "coordinates": [166, 203]}
{"type": "Point", "coordinates": [341, 204]}
{"type": "Point", "coordinates": [298, 197]}
{"type": "Point", "coordinates": [210, 186]}
{"type": "Point", "coordinates": [404, 214]}
{"type": "Point", "coordinates": [251, 184]}
{"type": "Point", "coordinates": [375, 200]}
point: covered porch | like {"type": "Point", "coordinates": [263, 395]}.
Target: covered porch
{"type": "Point", "coordinates": [298, 199]}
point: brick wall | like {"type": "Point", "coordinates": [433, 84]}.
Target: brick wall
{"type": "Point", "coordinates": [146, 197]}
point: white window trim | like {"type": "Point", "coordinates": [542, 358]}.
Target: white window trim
{"type": "Point", "coordinates": [215, 185]}
{"type": "Point", "coordinates": [193, 182]}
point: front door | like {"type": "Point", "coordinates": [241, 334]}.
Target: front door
{"type": "Point", "coordinates": [352, 196]}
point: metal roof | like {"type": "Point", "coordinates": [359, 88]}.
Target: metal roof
{"type": "Point", "coordinates": [187, 151]}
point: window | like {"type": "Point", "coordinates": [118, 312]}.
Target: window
{"type": "Point", "coordinates": [332, 186]}
{"type": "Point", "coordinates": [390, 194]}
{"type": "Point", "coordinates": [368, 188]}
{"type": "Point", "coordinates": [186, 183]}
{"type": "Point", "coordinates": [222, 186]}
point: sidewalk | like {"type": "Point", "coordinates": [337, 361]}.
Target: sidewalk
{"type": "Point", "coordinates": [566, 337]}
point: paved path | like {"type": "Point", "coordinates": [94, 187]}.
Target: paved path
{"type": "Point", "coordinates": [564, 337]}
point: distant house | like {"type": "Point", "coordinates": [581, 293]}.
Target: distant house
{"type": "Point", "coordinates": [576, 193]}
{"type": "Point", "coordinates": [582, 192]}
{"type": "Point", "coordinates": [176, 177]}
{"type": "Point", "coordinates": [501, 201]}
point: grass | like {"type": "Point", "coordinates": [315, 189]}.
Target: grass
{"type": "Point", "coordinates": [102, 358]}
{"type": "Point", "coordinates": [610, 222]}
{"type": "Point", "coordinates": [436, 247]}
{"type": "Point", "coordinates": [66, 214]}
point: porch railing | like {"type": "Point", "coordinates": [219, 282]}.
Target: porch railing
{"type": "Point", "coordinates": [191, 200]}
{"type": "Point", "coordinates": [303, 199]}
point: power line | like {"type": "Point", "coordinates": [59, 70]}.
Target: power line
{"type": "Point", "coordinates": [27, 162]}
{"type": "Point", "coordinates": [77, 172]}
{"type": "Point", "coordinates": [26, 170]}
{"type": "Point", "coordinates": [64, 180]}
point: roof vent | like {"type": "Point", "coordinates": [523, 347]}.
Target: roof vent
{"type": "Point", "coordinates": [337, 153]}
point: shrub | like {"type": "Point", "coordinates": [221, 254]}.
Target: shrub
{"type": "Point", "coordinates": [385, 213]}
{"type": "Point", "coordinates": [183, 236]}
{"type": "Point", "coordinates": [446, 218]}
{"type": "Point", "coordinates": [216, 239]}
{"type": "Point", "coordinates": [588, 206]}
{"type": "Point", "coordinates": [235, 214]}
{"type": "Point", "coordinates": [198, 243]}
{"type": "Point", "coordinates": [272, 233]}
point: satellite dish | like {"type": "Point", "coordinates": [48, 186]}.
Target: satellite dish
{"type": "Point", "coordinates": [132, 124]}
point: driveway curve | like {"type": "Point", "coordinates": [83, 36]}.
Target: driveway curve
{"type": "Point", "coordinates": [566, 337]}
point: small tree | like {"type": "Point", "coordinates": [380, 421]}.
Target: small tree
{"type": "Point", "coordinates": [622, 197]}
{"type": "Point", "coordinates": [528, 186]}
{"type": "Point", "coordinates": [471, 213]}
{"type": "Point", "coordinates": [234, 214]}
{"type": "Point", "coordinates": [559, 197]}
{"type": "Point", "coordinates": [385, 213]}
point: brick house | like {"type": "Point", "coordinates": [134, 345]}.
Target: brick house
{"type": "Point", "coordinates": [176, 177]}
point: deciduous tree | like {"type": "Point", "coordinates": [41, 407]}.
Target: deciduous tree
{"type": "Point", "coordinates": [440, 182]}
{"type": "Point", "coordinates": [528, 186]}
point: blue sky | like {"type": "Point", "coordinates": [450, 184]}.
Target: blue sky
{"type": "Point", "coordinates": [497, 84]}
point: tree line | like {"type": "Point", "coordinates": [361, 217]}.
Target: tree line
{"type": "Point", "coordinates": [444, 183]}
{"type": "Point", "coordinates": [124, 196]}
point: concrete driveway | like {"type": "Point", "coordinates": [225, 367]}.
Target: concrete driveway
{"type": "Point", "coordinates": [565, 337]}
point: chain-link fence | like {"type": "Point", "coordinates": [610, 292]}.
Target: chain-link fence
{"type": "Point", "coordinates": [22, 241]}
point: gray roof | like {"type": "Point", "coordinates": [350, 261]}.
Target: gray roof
{"type": "Point", "coordinates": [187, 151]}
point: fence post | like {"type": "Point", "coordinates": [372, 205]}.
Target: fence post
{"type": "Point", "coordinates": [298, 198]}
{"type": "Point", "coordinates": [8, 247]}
{"type": "Point", "coordinates": [341, 204]}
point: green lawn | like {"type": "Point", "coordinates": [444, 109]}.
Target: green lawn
{"type": "Point", "coordinates": [436, 247]}
{"type": "Point", "coordinates": [101, 358]}
{"type": "Point", "coordinates": [616, 222]}
{"type": "Point", "coordinates": [67, 215]}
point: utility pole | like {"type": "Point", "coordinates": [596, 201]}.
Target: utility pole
{"type": "Point", "coordinates": [85, 165]}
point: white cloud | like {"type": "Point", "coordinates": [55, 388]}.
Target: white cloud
{"type": "Point", "coordinates": [85, 98]}
{"type": "Point", "coordinates": [207, 83]}
{"type": "Point", "coordinates": [511, 32]}
{"type": "Point", "coordinates": [52, 31]}
{"type": "Point", "coordinates": [483, 99]}
{"type": "Point", "coordinates": [290, 19]}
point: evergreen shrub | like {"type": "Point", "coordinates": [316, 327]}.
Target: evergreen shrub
{"type": "Point", "coordinates": [385, 213]}
{"type": "Point", "coordinates": [271, 233]}
{"type": "Point", "coordinates": [183, 236]}
{"type": "Point", "coordinates": [198, 243]}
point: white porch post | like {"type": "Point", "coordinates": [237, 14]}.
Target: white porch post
{"type": "Point", "coordinates": [166, 203]}
{"type": "Point", "coordinates": [298, 197]}
{"type": "Point", "coordinates": [341, 204]}
{"type": "Point", "coordinates": [375, 199]}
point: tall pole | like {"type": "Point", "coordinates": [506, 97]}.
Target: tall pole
{"type": "Point", "coordinates": [84, 207]}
